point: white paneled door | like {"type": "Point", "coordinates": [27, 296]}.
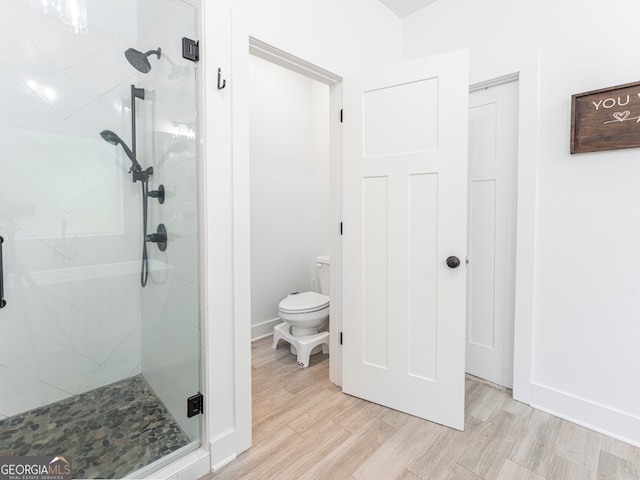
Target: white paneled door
{"type": "Point", "coordinates": [405, 219]}
{"type": "Point", "coordinates": [493, 156]}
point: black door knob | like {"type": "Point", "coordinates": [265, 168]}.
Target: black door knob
{"type": "Point", "coordinates": [453, 262]}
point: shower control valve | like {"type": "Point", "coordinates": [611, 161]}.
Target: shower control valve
{"type": "Point", "coordinates": [159, 194]}
{"type": "Point", "coordinates": [160, 237]}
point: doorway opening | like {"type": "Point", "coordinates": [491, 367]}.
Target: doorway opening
{"type": "Point", "coordinates": [294, 192]}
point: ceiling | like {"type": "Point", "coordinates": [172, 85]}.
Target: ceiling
{"type": "Point", "coordinates": [403, 8]}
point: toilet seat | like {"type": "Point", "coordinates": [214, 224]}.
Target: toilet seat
{"type": "Point", "coordinates": [306, 302]}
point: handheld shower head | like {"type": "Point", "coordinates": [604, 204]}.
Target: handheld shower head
{"type": "Point", "coordinates": [139, 60]}
{"type": "Point", "coordinates": [112, 138]}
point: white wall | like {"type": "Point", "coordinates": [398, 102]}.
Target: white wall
{"type": "Point", "coordinates": [586, 305]}
{"type": "Point", "coordinates": [330, 34]}
{"type": "Point", "coordinates": [290, 189]}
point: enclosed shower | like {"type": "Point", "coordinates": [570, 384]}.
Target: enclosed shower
{"type": "Point", "coordinates": [99, 284]}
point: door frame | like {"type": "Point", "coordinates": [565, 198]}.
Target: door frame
{"type": "Point", "coordinates": [295, 64]}
{"type": "Point", "coordinates": [525, 69]}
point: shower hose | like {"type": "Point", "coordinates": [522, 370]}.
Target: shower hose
{"type": "Point", "coordinates": [144, 270]}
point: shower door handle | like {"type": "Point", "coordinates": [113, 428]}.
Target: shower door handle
{"type": "Point", "coordinates": [2, 300]}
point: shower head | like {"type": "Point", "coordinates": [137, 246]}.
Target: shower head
{"type": "Point", "coordinates": [139, 60]}
{"type": "Point", "coordinates": [110, 137]}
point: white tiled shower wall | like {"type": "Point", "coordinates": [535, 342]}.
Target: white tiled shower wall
{"type": "Point", "coordinates": [69, 221]}
{"type": "Point", "coordinates": [71, 217]}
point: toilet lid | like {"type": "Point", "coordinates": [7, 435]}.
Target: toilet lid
{"type": "Point", "coordinates": [304, 302]}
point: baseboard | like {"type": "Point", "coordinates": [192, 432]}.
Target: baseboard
{"type": "Point", "coordinates": [600, 418]}
{"type": "Point", "coordinates": [222, 463]}
{"type": "Point", "coordinates": [263, 329]}
{"type": "Point", "coordinates": [223, 450]}
{"type": "Point", "coordinates": [190, 467]}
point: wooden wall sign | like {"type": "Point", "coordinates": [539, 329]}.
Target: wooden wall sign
{"type": "Point", "coordinates": [607, 119]}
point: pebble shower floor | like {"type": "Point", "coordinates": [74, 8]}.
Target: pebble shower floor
{"type": "Point", "coordinates": [108, 432]}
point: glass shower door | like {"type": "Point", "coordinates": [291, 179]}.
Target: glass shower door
{"type": "Point", "coordinates": [170, 302]}
{"type": "Point", "coordinates": [94, 366]}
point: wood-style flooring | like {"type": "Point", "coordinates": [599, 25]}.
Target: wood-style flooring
{"type": "Point", "coordinates": [304, 427]}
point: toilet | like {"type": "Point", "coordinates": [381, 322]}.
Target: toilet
{"type": "Point", "coordinates": [305, 318]}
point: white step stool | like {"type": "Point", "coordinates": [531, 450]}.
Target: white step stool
{"type": "Point", "coordinates": [301, 346]}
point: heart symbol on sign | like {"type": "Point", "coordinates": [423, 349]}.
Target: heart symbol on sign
{"type": "Point", "coordinates": [621, 116]}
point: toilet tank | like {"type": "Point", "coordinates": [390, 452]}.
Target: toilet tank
{"type": "Point", "coordinates": [322, 274]}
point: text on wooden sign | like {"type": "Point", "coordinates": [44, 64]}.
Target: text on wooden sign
{"type": "Point", "coordinates": [606, 119]}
